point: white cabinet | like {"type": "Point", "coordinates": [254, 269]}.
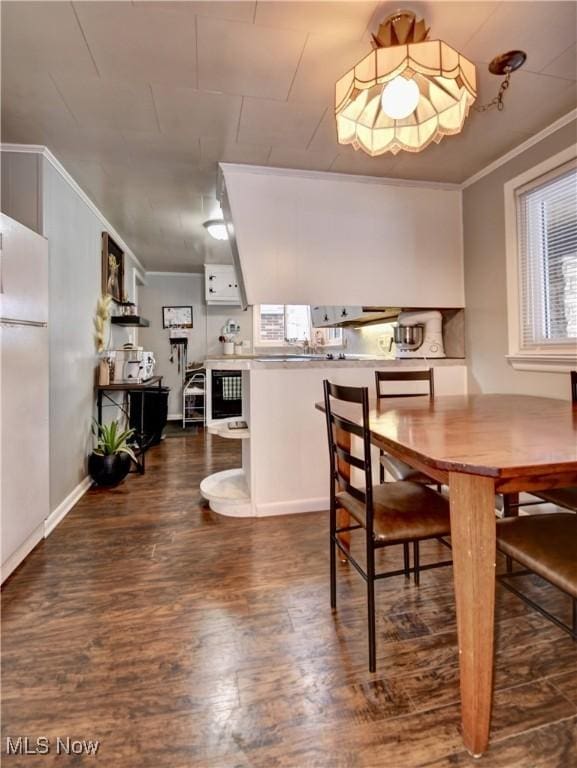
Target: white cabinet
{"type": "Point", "coordinates": [322, 316]}
{"type": "Point", "coordinates": [327, 316]}
{"type": "Point", "coordinates": [220, 284]}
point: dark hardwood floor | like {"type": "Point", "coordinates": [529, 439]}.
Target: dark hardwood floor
{"type": "Point", "coordinates": [182, 639]}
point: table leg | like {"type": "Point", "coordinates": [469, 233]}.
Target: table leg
{"type": "Point", "coordinates": [473, 533]}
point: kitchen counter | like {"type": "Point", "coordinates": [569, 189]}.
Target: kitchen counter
{"type": "Point", "coordinates": [246, 362]}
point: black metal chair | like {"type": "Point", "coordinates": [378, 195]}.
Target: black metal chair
{"type": "Point", "coordinates": [544, 544]}
{"type": "Point", "coordinates": [398, 469]}
{"type": "Point", "coordinates": [394, 513]}
{"type": "Point", "coordinates": [563, 497]}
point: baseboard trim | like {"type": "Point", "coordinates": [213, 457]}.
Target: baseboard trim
{"type": "Point", "coordinates": [174, 417]}
{"type": "Point", "coordinates": [292, 507]}
{"type": "Point", "coordinates": [57, 515]}
{"type": "Point", "coordinates": [22, 552]}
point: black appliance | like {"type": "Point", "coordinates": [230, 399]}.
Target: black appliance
{"type": "Point", "coordinates": [149, 412]}
{"type": "Point", "coordinates": [226, 394]}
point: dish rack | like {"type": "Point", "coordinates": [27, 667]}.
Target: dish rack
{"type": "Point", "coordinates": [194, 400]}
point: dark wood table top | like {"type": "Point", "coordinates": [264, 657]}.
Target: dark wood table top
{"type": "Point", "coordinates": [153, 381]}
{"type": "Point", "coordinates": [494, 435]}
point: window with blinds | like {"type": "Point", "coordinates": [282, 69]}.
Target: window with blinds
{"type": "Point", "coordinates": [547, 243]}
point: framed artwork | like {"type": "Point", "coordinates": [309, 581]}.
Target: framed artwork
{"type": "Point", "coordinates": [112, 268]}
{"type": "Point", "coordinates": [177, 317]}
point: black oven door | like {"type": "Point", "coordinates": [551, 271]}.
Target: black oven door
{"type": "Point", "coordinates": [226, 394]}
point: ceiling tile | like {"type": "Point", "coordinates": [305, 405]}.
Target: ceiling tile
{"type": "Point", "coordinates": [325, 59]}
{"type": "Point", "coordinates": [541, 29]}
{"type": "Point", "coordinates": [454, 22]}
{"type": "Point", "coordinates": [349, 20]}
{"type": "Point", "coordinates": [160, 46]}
{"type": "Point", "coordinates": [237, 10]}
{"type": "Point", "coordinates": [40, 36]}
{"type": "Point", "coordinates": [245, 59]}
{"type": "Point", "coordinates": [349, 161]}
{"type": "Point", "coordinates": [284, 123]}
{"type": "Point", "coordinates": [564, 65]}
{"type": "Point", "coordinates": [214, 150]}
{"type": "Point", "coordinates": [107, 104]}
{"type": "Point", "coordinates": [286, 157]}
{"type": "Point", "coordinates": [185, 112]}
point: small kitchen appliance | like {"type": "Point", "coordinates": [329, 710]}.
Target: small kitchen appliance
{"type": "Point", "coordinates": [133, 365]}
{"type": "Point", "coordinates": [419, 335]}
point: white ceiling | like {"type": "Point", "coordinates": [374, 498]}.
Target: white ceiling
{"type": "Point", "coordinates": [140, 100]}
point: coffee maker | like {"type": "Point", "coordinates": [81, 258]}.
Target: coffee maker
{"type": "Point", "coordinates": [419, 335]}
{"type": "Point", "coordinates": [133, 366]}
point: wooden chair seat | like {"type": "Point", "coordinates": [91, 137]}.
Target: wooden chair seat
{"type": "Point", "coordinates": [402, 511]}
{"type": "Point", "coordinates": [399, 470]}
{"type": "Point", "coordinates": [545, 544]}
{"type": "Point", "coordinates": [562, 497]}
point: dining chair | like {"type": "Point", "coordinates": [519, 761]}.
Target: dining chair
{"type": "Point", "coordinates": [545, 544]}
{"type": "Point", "coordinates": [563, 497]}
{"type": "Point", "coordinates": [398, 469]}
{"type": "Point", "coordinates": [398, 512]}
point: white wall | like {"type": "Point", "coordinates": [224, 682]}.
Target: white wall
{"type": "Point", "coordinates": [177, 290]}
{"type": "Point", "coordinates": [180, 289]}
{"type": "Point", "coordinates": [306, 238]}
{"type": "Point", "coordinates": [485, 279]}
{"type": "Point", "coordinates": [36, 193]}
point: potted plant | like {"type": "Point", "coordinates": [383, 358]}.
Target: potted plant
{"type": "Point", "coordinates": [109, 462]}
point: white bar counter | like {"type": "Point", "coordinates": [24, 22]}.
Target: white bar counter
{"type": "Point", "coordinates": [285, 468]}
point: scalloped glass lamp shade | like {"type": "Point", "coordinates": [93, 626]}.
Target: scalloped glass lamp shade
{"type": "Point", "coordinates": [406, 93]}
{"type": "Point", "coordinates": [216, 228]}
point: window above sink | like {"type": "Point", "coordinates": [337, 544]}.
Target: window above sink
{"type": "Point", "coordinates": [287, 325]}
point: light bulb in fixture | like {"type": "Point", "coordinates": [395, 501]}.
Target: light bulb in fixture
{"type": "Point", "coordinates": [400, 97]}
{"type": "Point", "coordinates": [216, 228]}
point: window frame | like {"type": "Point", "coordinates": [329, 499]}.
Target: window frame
{"type": "Point", "coordinates": [287, 344]}
{"type": "Point", "coordinates": [561, 357]}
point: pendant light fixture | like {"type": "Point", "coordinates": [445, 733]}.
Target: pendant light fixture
{"type": "Point", "coordinates": [408, 92]}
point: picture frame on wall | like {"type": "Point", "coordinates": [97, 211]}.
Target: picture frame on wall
{"type": "Point", "coordinates": [177, 317]}
{"type": "Point", "coordinates": [112, 269]}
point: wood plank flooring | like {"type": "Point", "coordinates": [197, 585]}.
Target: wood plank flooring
{"type": "Point", "coordinates": [182, 639]}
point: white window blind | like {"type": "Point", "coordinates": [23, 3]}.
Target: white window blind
{"type": "Point", "coordinates": [547, 224]}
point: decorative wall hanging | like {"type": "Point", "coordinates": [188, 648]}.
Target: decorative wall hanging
{"type": "Point", "coordinates": [112, 268]}
{"type": "Point", "coordinates": [177, 317]}
{"type": "Point", "coordinates": [406, 93]}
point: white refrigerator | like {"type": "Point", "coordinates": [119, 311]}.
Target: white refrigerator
{"type": "Point", "coordinates": [24, 455]}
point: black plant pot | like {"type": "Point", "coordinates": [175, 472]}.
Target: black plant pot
{"type": "Point", "coordinates": [108, 470]}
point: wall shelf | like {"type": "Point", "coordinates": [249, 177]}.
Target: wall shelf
{"type": "Point", "coordinates": [132, 320]}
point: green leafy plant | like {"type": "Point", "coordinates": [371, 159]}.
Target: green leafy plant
{"type": "Point", "coordinates": [111, 439]}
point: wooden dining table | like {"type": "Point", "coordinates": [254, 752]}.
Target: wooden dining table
{"type": "Point", "coordinates": [479, 446]}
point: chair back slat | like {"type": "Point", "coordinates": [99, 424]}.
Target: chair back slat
{"type": "Point", "coordinates": [340, 454]}
{"type": "Point", "coordinates": [427, 375]}
{"type": "Point", "coordinates": [574, 387]}
{"type": "Point", "coordinates": [348, 457]}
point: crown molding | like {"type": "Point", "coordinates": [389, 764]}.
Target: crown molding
{"type": "Point", "coordinates": [39, 149]}
{"type": "Point", "coordinates": [266, 170]}
{"type": "Point", "coordinates": [520, 148]}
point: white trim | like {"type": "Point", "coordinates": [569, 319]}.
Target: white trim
{"type": "Point", "coordinates": [22, 552]}
{"type": "Point", "coordinates": [520, 148]}
{"type": "Point", "coordinates": [175, 417]}
{"type": "Point", "coordinates": [518, 357]}
{"type": "Point", "coordinates": [549, 364]}
{"type": "Point", "coordinates": [265, 170]}
{"type": "Point", "coordinates": [297, 506]}
{"type": "Point", "coordinates": [38, 149]}
{"type": "Point", "coordinates": [173, 274]}
{"type": "Point", "coordinates": [58, 514]}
